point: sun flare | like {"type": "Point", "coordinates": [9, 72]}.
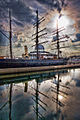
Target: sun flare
{"type": "Point", "coordinates": [63, 21]}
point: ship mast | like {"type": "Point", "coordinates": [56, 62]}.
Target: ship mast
{"type": "Point", "coordinates": [10, 34]}
{"type": "Point", "coordinates": [11, 56]}
{"type": "Point", "coordinates": [58, 40]}
{"type": "Point", "coordinates": [37, 35]}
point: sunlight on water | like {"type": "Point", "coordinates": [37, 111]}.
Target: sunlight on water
{"type": "Point", "coordinates": [44, 91]}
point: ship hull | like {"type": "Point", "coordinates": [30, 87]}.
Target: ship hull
{"type": "Point", "coordinates": [15, 63]}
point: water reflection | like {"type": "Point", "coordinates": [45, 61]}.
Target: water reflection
{"type": "Point", "coordinates": [26, 87]}
{"type": "Point", "coordinates": [47, 96]}
{"type": "Point", "coordinates": [10, 101]}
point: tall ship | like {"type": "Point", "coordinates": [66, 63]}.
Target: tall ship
{"type": "Point", "coordinates": [39, 57]}
{"type": "Point", "coordinates": [45, 59]}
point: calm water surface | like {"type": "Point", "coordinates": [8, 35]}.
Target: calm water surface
{"type": "Point", "coordinates": [47, 98]}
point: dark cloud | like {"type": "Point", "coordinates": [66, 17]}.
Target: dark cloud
{"type": "Point", "coordinates": [54, 38]}
{"type": "Point", "coordinates": [78, 83]}
{"type": "Point", "coordinates": [46, 2]}
{"type": "Point", "coordinates": [77, 80]}
{"type": "Point", "coordinates": [18, 23]}
{"type": "Point", "coordinates": [19, 9]}
{"type": "Point", "coordinates": [3, 40]}
{"type": "Point", "coordinates": [55, 4]}
{"type": "Point", "coordinates": [22, 11]}
{"type": "Point", "coordinates": [77, 38]}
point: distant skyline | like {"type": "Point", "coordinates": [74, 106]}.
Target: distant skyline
{"type": "Point", "coordinates": [24, 15]}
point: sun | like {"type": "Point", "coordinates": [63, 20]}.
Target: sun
{"type": "Point", "coordinates": [62, 21]}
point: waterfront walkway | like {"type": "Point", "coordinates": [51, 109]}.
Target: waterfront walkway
{"type": "Point", "coordinates": [36, 69]}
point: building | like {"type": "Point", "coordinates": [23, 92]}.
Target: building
{"type": "Point", "coordinates": [42, 53]}
{"type": "Point", "coordinates": [25, 55]}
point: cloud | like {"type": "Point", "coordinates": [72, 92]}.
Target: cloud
{"type": "Point", "coordinates": [55, 4]}
{"type": "Point", "coordinates": [78, 83]}
{"type": "Point", "coordinates": [74, 11]}
{"type": "Point", "coordinates": [18, 45]}
{"type": "Point", "coordinates": [23, 14]}
{"type": "Point", "coordinates": [20, 10]}
{"type": "Point", "coordinates": [77, 38]}
{"type": "Point", "coordinates": [23, 11]}
{"type": "Point", "coordinates": [18, 23]}
{"type": "Point", "coordinates": [3, 40]}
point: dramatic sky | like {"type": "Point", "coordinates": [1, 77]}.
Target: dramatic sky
{"type": "Point", "coordinates": [24, 16]}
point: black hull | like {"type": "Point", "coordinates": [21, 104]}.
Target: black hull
{"type": "Point", "coordinates": [14, 63]}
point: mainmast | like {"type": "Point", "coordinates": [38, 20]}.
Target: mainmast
{"type": "Point", "coordinates": [58, 40]}
{"type": "Point", "coordinates": [10, 34]}
{"type": "Point", "coordinates": [37, 35]}
{"type": "Point", "coordinates": [11, 85]}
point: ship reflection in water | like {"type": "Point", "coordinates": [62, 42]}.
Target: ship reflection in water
{"type": "Point", "coordinates": [47, 96]}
